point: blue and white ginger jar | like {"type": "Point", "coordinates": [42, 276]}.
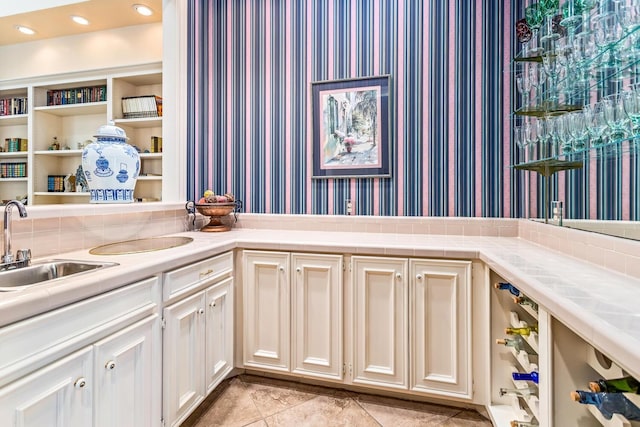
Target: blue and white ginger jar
{"type": "Point", "coordinates": [111, 166]}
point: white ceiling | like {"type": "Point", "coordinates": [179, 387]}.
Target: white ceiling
{"type": "Point", "coordinates": [52, 18]}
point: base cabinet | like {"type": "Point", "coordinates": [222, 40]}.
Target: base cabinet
{"type": "Point", "coordinates": [92, 363]}
{"type": "Point", "coordinates": [380, 352]}
{"type": "Point", "coordinates": [59, 395]}
{"type": "Point", "coordinates": [198, 348]}
{"type": "Point", "coordinates": [391, 323]}
{"type": "Point", "coordinates": [440, 327]}
{"type": "Point", "coordinates": [267, 308]}
{"type": "Point", "coordinates": [127, 376]}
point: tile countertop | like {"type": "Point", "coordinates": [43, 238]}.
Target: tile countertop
{"type": "Point", "coordinates": [599, 304]}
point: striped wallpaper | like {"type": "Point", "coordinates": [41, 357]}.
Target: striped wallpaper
{"type": "Point", "coordinates": [250, 66]}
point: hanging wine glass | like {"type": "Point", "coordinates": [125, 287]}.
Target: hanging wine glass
{"type": "Point", "coordinates": [552, 68]}
{"type": "Point", "coordinates": [565, 139]}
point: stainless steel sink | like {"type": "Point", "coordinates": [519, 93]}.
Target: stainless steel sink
{"type": "Point", "coordinates": [43, 271]}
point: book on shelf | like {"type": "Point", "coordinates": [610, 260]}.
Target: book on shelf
{"type": "Point", "coordinates": [13, 145]}
{"type": "Point", "coordinates": [78, 95]}
{"type": "Point", "coordinates": [12, 106]}
{"type": "Point", "coordinates": [13, 170]}
{"type": "Point", "coordinates": [55, 183]}
{"type": "Point", "coordinates": [156, 144]}
{"type": "Point", "coordinates": [144, 106]}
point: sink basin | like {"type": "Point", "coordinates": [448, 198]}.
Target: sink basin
{"type": "Point", "coordinates": [141, 245]}
{"type": "Point", "coordinates": [43, 271]}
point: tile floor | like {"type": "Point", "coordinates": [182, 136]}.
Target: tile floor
{"type": "Point", "coordinates": [256, 401]}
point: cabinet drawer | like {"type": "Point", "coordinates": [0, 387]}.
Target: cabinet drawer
{"type": "Point", "coordinates": [186, 279]}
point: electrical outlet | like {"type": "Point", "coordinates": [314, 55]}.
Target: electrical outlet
{"type": "Point", "coordinates": [349, 208]}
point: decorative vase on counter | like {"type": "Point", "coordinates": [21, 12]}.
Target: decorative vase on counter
{"type": "Point", "coordinates": [111, 166]}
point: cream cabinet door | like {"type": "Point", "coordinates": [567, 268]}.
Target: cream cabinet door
{"type": "Point", "coordinates": [440, 325]}
{"type": "Point", "coordinates": [58, 395]}
{"type": "Point", "coordinates": [183, 352]}
{"type": "Point", "coordinates": [317, 313]}
{"type": "Point", "coordinates": [380, 321]}
{"type": "Point", "coordinates": [267, 308]}
{"type": "Point", "coordinates": [127, 376]}
{"type": "Point", "coordinates": [219, 333]}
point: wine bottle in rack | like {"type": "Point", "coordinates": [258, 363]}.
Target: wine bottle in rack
{"type": "Point", "coordinates": [516, 423]}
{"type": "Point", "coordinates": [505, 286]}
{"type": "Point", "coordinates": [617, 385]}
{"type": "Point", "coordinates": [526, 376]}
{"type": "Point", "coordinates": [525, 300]}
{"type": "Point", "coordinates": [608, 404]}
{"type": "Point", "coordinates": [516, 342]}
{"type": "Point", "coordinates": [525, 330]}
{"type": "Point", "coordinates": [520, 392]}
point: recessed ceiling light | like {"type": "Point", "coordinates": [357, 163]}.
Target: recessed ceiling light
{"type": "Point", "coordinates": [25, 30]}
{"type": "Point", "coordinates": [80, 20]}
{"type": "Point", "coordinates": [143, 10]}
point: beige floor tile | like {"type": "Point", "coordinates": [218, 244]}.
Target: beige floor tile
{"type": "Point", "coordinates": [402, 413]}
{"type": "Point", "coordinates": [323, 411]}
{"type": "Point", "coordinates": [234, 408]}
{"type": "Point", "coordinates": [467, 419]}
{"type": "Point", "coordinates": [271, 399]}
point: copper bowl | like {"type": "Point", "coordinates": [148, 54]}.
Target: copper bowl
{"type": "Point", "coordinates": [215, 212]}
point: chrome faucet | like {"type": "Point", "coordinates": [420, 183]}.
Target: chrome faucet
{"type": "Point", "coordinates": [24, 256]}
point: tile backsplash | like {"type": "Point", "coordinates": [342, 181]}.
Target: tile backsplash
{"type": "Point", "coordinates": [47, 234]}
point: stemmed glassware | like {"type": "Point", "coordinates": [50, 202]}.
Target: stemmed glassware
{"type": "Point", "coordinates": [524, 87]}
{"type": "Point", "coordinates": [616, 117]}
{"type": "Point", "coordinates": [596, 123]}
{"type": "Point", "coordinates": [534, 17]}
{"type": "Point", "coordinates": [631, 103]}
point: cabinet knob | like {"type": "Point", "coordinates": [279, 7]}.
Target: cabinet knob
{"type": "Point", "coordinates": [201, 311]}
{"type": "Point", "coordinates": [398, 276]}
{"type": "Point", "coordinates": [298, 269]}
{"type": "Point", "coordinates": [212, 304]}
{"type": "Point", "coordinates": [80, 383]}
{"type": "Point", "coordinates": [281, 268]}
{"type": "Point", "coordinates": [110, 365]}
{"type": "Point", "coordinates": [419, 277]}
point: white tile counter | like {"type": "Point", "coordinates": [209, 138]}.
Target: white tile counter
{"type": "Point", "coordinates": [599, 304]}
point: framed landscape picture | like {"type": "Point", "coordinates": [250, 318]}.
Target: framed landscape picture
{"type": "Point", "coordinates": [351, 128]}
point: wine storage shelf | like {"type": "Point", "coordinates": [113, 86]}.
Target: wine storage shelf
{"type": "Point", "coordinates": [506, 312]}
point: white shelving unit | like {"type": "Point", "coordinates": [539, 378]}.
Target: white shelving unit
{"type": "Point", "coordinates": [74, 125]}
{"type": "Point", "coordinates": [565, 362]}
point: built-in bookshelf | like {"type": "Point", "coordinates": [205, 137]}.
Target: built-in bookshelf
{"type": "Point", "coordinates": [62, 116]}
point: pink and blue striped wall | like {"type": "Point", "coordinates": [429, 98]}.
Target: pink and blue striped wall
{"type": "Point", "coordinates": [251, 63]}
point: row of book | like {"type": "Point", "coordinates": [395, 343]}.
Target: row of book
{"type": "Point", "coordinates": [13, 170]}
{"type": "Point", "coordinates": [79, 95]}
{"type": "Point", "coordinates": [156, 144]}
{"type": "Point", "coordinates": [55, 183]}
{"type": "Point", "coordinates": [15, 105]}
{"type": "Point", "coordinates": [13, 145]}
{"type": "Point", "coordinates": [136, 107]}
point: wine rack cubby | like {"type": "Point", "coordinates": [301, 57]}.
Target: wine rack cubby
{"type": "Point", "coordinates": [505, 360]}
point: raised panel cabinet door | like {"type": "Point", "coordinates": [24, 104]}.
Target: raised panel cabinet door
{"type": "Point", "coordinates": [219, 333]}
{"type": "Point", "coordinates": [127, 376]}
{"type": "Point", "coordinates": [267, 325]}
{"type": "Point", "coordinates": [380, 321]}
{"type": "Point", "coordinates": [317, 313]}
{"type": "Point", "coordinates": [440, 325]}
{"type": "Point", "coordinates": [58, 395]}
{"type": "Point", "coordinates": [183, 352]}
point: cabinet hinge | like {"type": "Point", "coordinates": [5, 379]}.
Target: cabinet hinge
{"type": "Point", "coordinates": [162, 422]}
{"type": "Point", "coordinates": [163, 325]}
{"type": "Point", "coordinates": [350, 370]}
{"type": "Point", "coordinates": [344, 368]}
